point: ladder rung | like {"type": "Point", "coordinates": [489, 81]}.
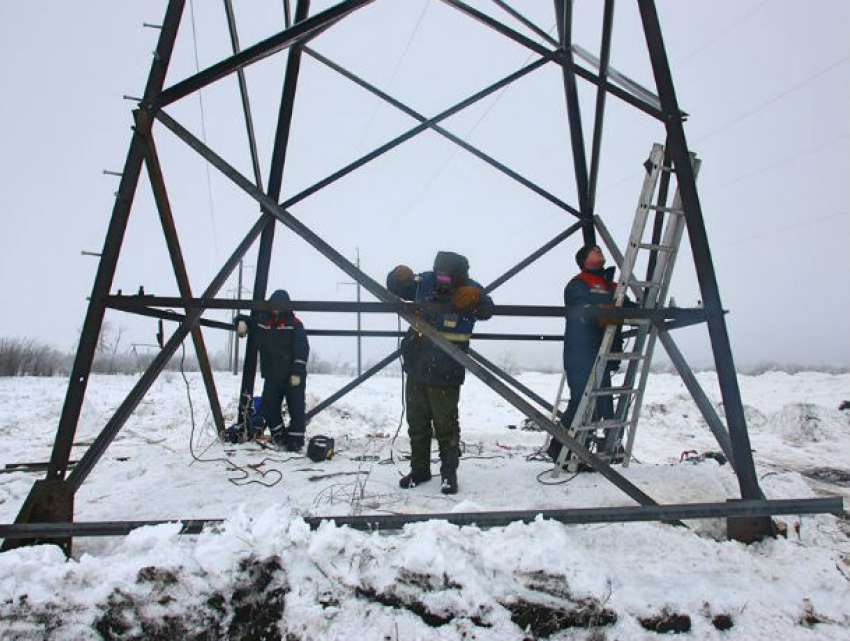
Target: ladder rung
{"type": "Point", "coordinates": [613, 391]}
{"type": "Point", "coordinates": [666, 210]}
{"type": "Point", "coordinates": [601, 425]}
{"type": "Point", "coordinates": [644, 283]}
{"type": "Point", "coordinates": [584, 427]}
{"type": "Point", "coordinates": [654, 247]}
{"type": "Point", "coordinates": [622, 356]}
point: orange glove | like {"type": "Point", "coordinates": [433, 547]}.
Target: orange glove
{"type": "Point", "coordinates": [403, 275]}
{"type": "Point", "coordinates": [602, 321]}
{"type": "Point", "coordinates": [465, 298]}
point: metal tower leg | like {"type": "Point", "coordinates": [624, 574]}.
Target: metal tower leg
{"type": "Point", "coordinates": [50, 499]}
{"type": "Point", "coordinates": [748, 528]}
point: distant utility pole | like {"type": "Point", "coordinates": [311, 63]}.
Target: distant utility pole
{"type": "Point", "coordinates": [359, 337]}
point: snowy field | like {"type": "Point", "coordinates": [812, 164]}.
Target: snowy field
{"type": "Point", "coordinates": [265, 575]}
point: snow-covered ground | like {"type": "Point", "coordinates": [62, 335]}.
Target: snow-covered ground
{"type": "Point", "coordinates": [264, 574]}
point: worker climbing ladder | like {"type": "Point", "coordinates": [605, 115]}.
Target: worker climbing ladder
{"type": "Point", "coordinates": [612, 437]}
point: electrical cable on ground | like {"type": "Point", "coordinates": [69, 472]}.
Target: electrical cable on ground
{"type": "Point", "coordinates": [238, 481]}
{"type": "Point", "coordinates": [549, 471]}
{"type": "Point", "coordinates": [391, 460]}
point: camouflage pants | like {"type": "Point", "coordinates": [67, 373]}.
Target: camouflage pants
{"type": "Point", "coordinates": [432, 411]}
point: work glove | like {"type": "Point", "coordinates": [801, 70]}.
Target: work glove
{"type": "Point", "coordinates": [241, 328]}
{"type": "Point", "coordinates": [602, 321]}
{"type": "Point", "coordinates": [403, 275]}
{"type": "Point", "coordinates": [294, 380]}
{"type": "Point", "coordinates": [465, 298]}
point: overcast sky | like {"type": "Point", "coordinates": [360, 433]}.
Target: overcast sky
{"type": "Point", "coordinates": [766, 84]}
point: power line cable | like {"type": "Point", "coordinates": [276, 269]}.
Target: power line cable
{"type": "Point", "coordinates": [742, 116]}
{"type": "Point", "coordinates": [778, 163]}
{"type": "Point", "coordinates": [779, 96]}
{"type": "Point", "coordinates": [390, 82]}
{"type": "Point", "coordinates": [203, 127]}
{"type": "Point", "coordinates": [722, 34]}
{"type": "Point", "coordinates": [444, 165]}
{"type": "Point", "coordinates": [778, 230]}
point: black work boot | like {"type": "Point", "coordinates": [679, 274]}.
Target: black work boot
{"type": "Point", "coordinates": [416, 477]}
{"type": "Point", "coordinates": [449, 459]}
{"type": "Point", "coordinates": [449, 485]}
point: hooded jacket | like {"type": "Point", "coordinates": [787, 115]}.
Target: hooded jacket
{"type": "Point", "coordinates": [281, 340]}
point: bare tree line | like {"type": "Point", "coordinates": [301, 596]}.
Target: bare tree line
{"type": "Point", "coordinates": [29, 357]}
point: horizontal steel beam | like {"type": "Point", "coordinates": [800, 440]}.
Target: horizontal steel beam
{"type": "Point", "coordinates": [373, 522]}
{"type": "Point", "coordinates": [370, 333]}
{"type": "Point", "coordinates": [131, 303]}
{"type": "Point", "coordinates": [367, 333]}
{"type": "Point", "coordinates": [670, 325]}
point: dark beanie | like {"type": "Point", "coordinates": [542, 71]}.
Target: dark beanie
{"type": "Point", "coordinates": [581, 255]}
{"type": "Point", "coordinates": [451, 263]}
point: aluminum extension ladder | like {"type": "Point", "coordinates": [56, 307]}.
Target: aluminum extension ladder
{"type": "Point", "coordinates": [612, 438]}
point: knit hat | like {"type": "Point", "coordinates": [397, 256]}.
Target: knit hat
{"type": "Point", "coordinates": [581, 255]}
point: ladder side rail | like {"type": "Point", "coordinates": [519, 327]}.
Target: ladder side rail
{"type": "Point", "coordinates": [556, 405]}
{"type": "Point", "coordinates": [671, 218]}
{"type": "Point", "coordinates": [664, 270]}
{"type": "Point", "coordinates": [638, 402]}
{"type": "Point", "coordinates": [650, 182]}
{"type": "Point", "coordinates": [676, 229]}
{"type": "Point", "coordinates": [627, 264]}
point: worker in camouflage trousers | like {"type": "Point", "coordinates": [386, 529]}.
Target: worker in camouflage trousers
{"type": "Point", "coordinates": [434, 378]}
{"type": "Point", "coordinates": [594, 286]}
{"type": "Point", "coordinates": [282, 343]}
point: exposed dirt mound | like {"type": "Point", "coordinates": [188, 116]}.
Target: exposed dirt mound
{"type": "Point", "coordinates": [667, 622]}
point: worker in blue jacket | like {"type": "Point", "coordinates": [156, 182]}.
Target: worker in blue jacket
{"type": "Point", "coordinates": [282, 343]}
{"type": "Point", "coordinates": [434, 378]}
{"type": "Point", "coordinates": [594, 286]}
